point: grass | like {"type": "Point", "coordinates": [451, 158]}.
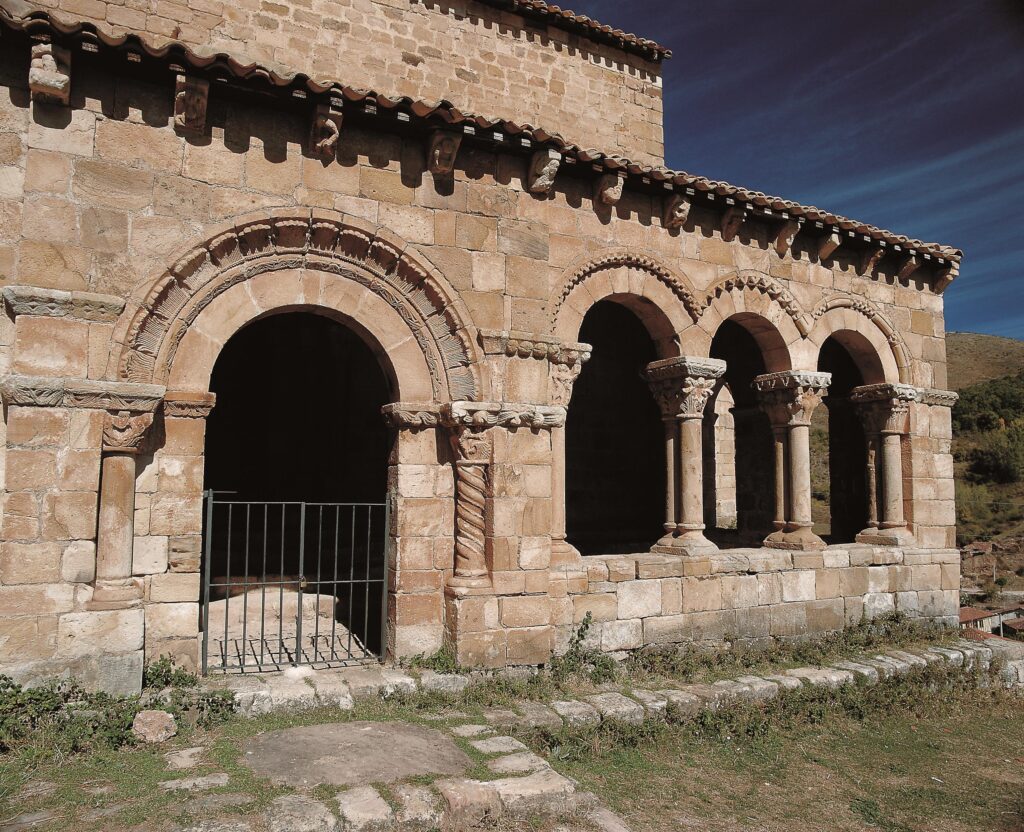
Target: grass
{"type": "Point", "coordinates": [947, 764]}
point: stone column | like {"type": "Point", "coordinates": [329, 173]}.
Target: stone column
{"type": "Point", "coordinates": [123, 433]}
{"type": "Point", "coordinates": [682, 387]}
{"type": "Point", "coordinates": [789, 398]}
{"type": "Point", "coordinates": [472, 459]}
{"type": "Point", "coordinates": [884, 409]}
{"type": "Point", "coordinates": [563, 377]}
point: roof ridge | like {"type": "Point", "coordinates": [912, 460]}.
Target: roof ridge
{"type": "Point", "coordinates": [43, 22]}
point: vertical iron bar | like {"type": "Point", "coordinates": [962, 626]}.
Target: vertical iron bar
{"type": "Point", "coordinates": [316, 602]}
{"type": "Point", "coordinates": [302, 568]}
{"type": "Point", "coordinates": [334, 586]}
{"type": "Point", "coordinates": [366, 591]}
{"type": "Point", "coordinates": [227, 588]}
{"type": "Point", "coordinates": [263, 588]}
{"type": "Point", "coordinates": [351, 580]}
{"type": "Point", "coordinates": [280, 590]}
{"type": "Point", "coordinates": [386, 546]}
{"type": "Point", "coordinates": [245, 588]}
{"type": "Point", "coordinates": [208, 547]}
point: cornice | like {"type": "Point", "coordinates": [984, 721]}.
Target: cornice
{"type": "Point", "coordinates": [686, 367]}
{"type": "Point", "coordinates": [55, 303]}
{"type": "Point", "coordinates": [526, 345]}
{"type": "Point", "coordinates": [38, 391]}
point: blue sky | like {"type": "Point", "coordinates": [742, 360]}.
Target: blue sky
{"type": "Point", "coordinates": [907, 114]}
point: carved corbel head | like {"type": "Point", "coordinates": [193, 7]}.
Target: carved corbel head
{"type": "Point", "coordinates": [49, 76]}
{"type": "Point", "coordinates": [676, 210]}
{"type": "Point", "coordinates": [785, 236]}
{"type": "Point", "coordinates": [444, 147]}
{"type": "Point", "coordinates": [191, 94]}
{"type": "Point", "coordinates": [732, 219]}
{"type": "Point", "coordinates": [609, 187]}
{"type": "Point", "coordinates": [828, 244]}
{"type": "Point", "coordinates": [325, 131]}
{"type": "Point", "coordinates": [870, 258]}
{"type": "Point", "coordinates": [544, 166]}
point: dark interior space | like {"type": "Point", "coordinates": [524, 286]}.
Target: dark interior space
{"type": "Point", "coordinates": [755, 483]}
{"type": "Point", "coordinates": [838, 451]}
{"type": "Point", "coordinates": [615, 467]}
{"type": "Point", "coordinates": [297, 453]}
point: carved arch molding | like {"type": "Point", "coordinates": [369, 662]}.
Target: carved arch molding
{"type": "Point", "coordinates": [745, 279]}
{"type": "Point", "coordinates": [336, 244]}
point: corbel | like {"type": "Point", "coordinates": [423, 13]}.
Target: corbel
{"type": "Point", "coordinates": [191, 94]}
{"type": "Point", "coordinates": [544, 166]}
{"type": "Point", "coordinates": [325, 131]}
{"type": "Point", "coordinates": [441, 153]}
{"type": "Point", "coordinates": [608, 190]}
{"type": "Point", "coordinates": [785, 236]}
{"type": "Point", "coordinates": [828, 244]}
{"type": "Point", "coordinates": [911, 263]}
{"type": "Point", "coordinates": [676, 210]}
{"type": "Point", "coordinates": [732, 219]}
{"type": "Point", "coordinates": [49, 75]}
{"type": "Point", "coordinates": [945, 277]}
{"type": "Point", "coordinates": [870, 259]}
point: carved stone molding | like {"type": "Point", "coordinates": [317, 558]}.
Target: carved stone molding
{"type": "Point", "coordinates": [676, 210]}
{"type": "Point", "coordinates": [189, 405]}
{"type": "Point", "coordinates": [442, 150]}
{"type": "Point", "coordinates": [49, 75]}
{"type": "Point", "coordinates": [629, 259]}
{"type": "Point", "coordinates": [325, 130]}
{"type": "Point", "coordinates": [86, 306]}
{"type": "Point", "coordinates": [544, 166]}
{"type": "Point", "coordinates": [608, 188]}
{"type": "Point", "coordinates": [885, 392]}
{"type": "Point", "coordinates": [321, 241]}
{"type": "Point", "coordinates": [484, 415]}
{"type": "Point", "coordinates": [527, 345]}
{"type": "Point", "coordinates": [412, 415]}
{"type": "Point", "coordinates": [682, 386]}
{"type": "Point", "coordinates": [760, 282]}
{"type": "Point", "coordinates": [790, 397]}
{"type": "Point", "coordinates": [124, 431]}
{"type": "Point", "coordinates": [39, 391]}
{"type": "Point", "coordinates": [938, 398]}
{"type": "Point", "coordinates": [191, 94]}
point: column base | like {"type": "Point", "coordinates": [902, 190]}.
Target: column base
{"type": "Point", "coordinates": [801, 539]}
{"type": "Point", "coordinates": [116, 595]}
{"type": "Point", "coordinates": [473, 585]}
{"type": "Point", "coordinates": [564, 553]}
{"type": "Point", "coordinates": [898, 536]}
{"type": "Point", "coordinates": [691, 543]}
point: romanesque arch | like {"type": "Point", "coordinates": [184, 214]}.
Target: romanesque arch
{"type": "Point", "coordinates": [861, 324]}
{"type": "Point", "coordinates": [318, 260]}
{"type": "Point", "coordinates": [661, 299]}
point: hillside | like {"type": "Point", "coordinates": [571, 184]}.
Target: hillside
{"type": "Point", "coordinates": [973, 358]}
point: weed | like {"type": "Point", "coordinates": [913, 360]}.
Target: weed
{"type": "Point", "coordinates": [581, 660]}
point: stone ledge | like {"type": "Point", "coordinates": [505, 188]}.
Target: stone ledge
{"type": "Point", "coordinates": [41, 391]}
{"type": "Point", "coordinates": [55, 303]}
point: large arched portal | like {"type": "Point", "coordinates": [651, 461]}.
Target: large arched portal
{"type": "Point", "coordinates": [296, 480]}
{"type": "Point", "coordinates": [615, 467]}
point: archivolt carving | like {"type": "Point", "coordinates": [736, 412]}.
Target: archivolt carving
{"type": "Point", "coordinates": [335, 244]}
{"type": "Point", "coordinates": [760, 282]}
{"type": "Point", "coordinates": [617, 259]}
{"type": "Point", "coordinates": [869, 311]}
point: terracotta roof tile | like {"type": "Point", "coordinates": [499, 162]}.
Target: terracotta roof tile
{"type": "Point", "coordinates": [18, 15]}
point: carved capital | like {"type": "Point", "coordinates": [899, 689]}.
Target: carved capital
{"type": "Point", "coordinates": [189, 405]}
{"type": "Point", "coordinates": [884, 407]}
{"type": "Point", "coordinates": [411, 415]}
{"type": "Point", "coordinates": [442, 150]}
{"type": "Point", "coordinates": [676, 210]}
{"type": "Point", "coordinates": [790, 397]}
{"type": "Point", "coordinates": [124, 431]}
{"type": "Point", "coordinates": [563, 377]}
{"type": "Point", "coordinates": [483, 415]}
{"type": "Point", "coordinates": [544, 166]}
{"type": "Point", "coordinates": [190, 97]}
{"type": "Point", "coordinates": [609, 187]}
{"type": "Point", "coordinates": [682, 386]}
{"type": "Point", "coordinates": [49, 75]}
{"type": "Point", "coordinates": [471, 447]}
{"type": "Point", "coordinates": [325, 130]}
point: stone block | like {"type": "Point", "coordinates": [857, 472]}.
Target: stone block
{"type": "Point", "coordinates": [618, 708]}
{"type": "Point", "coordinates": [769, 589]}
{"type": "Point", "coordinates": [69, 515]}
{"type": "Point", "coordinates": [926, 577]}
{"type": "Point", "coordinates": [362, 809]}
{"type": "Point", "coordinates": [27, 638]}
{"type": "Point", "coordinates": [576, 713]}
{"type": "Point", "coordinates": [739, 591]}
{"type": "Point", "coordinates": [798, 586]}
{"type": "Point", "coordinates": [639, 599]}
{"type": "Point", "coordinates": [30, 563]}
{"type": "Point", "coordinates": [878, 604]}
{"type": "Point", "coordinates": [702, 594]}
{"type": "Point", "coordinates": [172, 587]}
{"type": "Point", "coordinates": [99, 632]}
{"type": "Point", "coordinates": [36, 599]}
{"type": "Point", "coordinates": [671, 596]}
{"type": "Point", "coordinates": [826, 615]}
{"type": "Point", "coordinates": [184, 552]}
{"type": "Point", "coordinates": [602, 606]}
{"type": "Point", "coordinates": [177, 620]}
{"type": "Point", "coordinates": [150, 555]}
{"type": "Point", "coordinates": [525, 611]}
{"type": "Point", "coordinates": [668, 629]}
{"type": "Point", "coordinates": [619, 635]}
{"type": "Point", "coordinates": [853, 581]}
{"type": "Point", "coordinates": [530, 646]}
{"type": "Point", "coordinates": [788, 620]}
{"type": "Point", "coordinates": [878, 579]}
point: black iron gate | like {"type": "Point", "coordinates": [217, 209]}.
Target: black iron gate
{"type": "Point", "coordinates": [290, 583]}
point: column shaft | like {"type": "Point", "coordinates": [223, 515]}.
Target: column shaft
{"type": "Point", "coordinates": [116, 532]}
{"type": "Point", "coordinates": [671, 500]}
{"type": "Point", "coordinates": [691, 479]}
{"type": "Point", "coordinates": [872, 480]}
{"type": "Point", "coordinates": [800, 476]}
{"type": "Point", "coordinates": [781, 480]}
{"type": "Point", "coordinates": [892, 482]}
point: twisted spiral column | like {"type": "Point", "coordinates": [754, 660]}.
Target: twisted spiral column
{"type": "Point", "coordinates": [472, 459]}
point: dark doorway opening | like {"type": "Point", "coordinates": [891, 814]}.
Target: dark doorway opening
{"type": "Point", "coordinates": [739, 480]}
{"type": "Point", "coordinates": [615, 466]}
{"type": "Point", "coordinates": [296, 476]}
{"type": "Point", "coordinates": [838, 452]}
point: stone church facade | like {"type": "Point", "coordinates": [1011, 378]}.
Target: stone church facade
{"type": "Point", "coordinates": [176, 174]}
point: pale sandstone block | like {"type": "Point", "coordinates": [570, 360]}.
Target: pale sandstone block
{"type": "Point", "coordinates": [601, 606]}
{"type": "Point", "coordinates": [78, 563]}
{"type": "Point", "coordinates": [798, 586]}
{"type": "Point", "coordinates": [739, 591]}
{"type": "Point", "coordinates": [149, 555]}
{"type": "Point", "coordinates": [29, 563]}
{"type": "Point", "coordinates": [702, 594]}
{"type": "Point", "coordinates": [172, 587]}
{"type": "Point", "coordinates": [51, 347]}
{"type": "Point", "coordinates": [100, 631]}
{"type": "Point", "coordinates": [639, 599]}
{"type": "Point", "coordinates": [177, 620]}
